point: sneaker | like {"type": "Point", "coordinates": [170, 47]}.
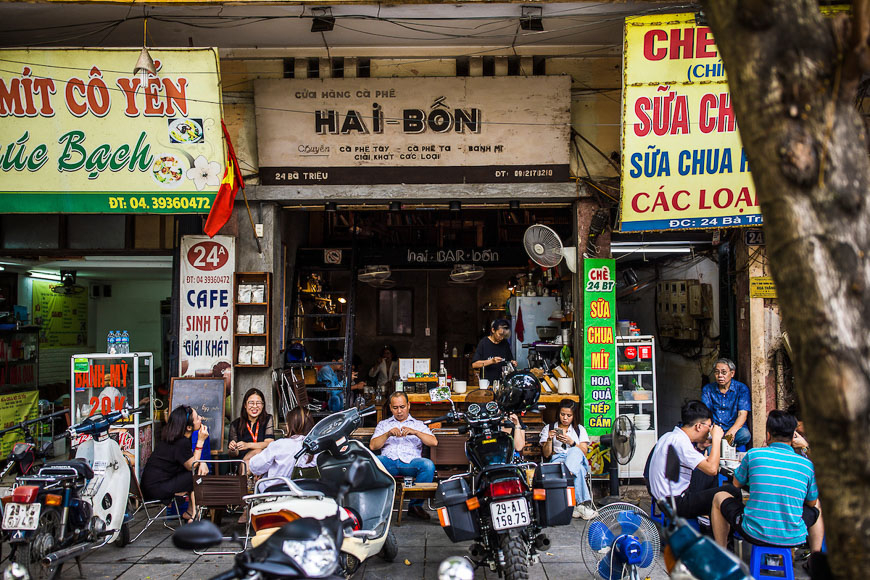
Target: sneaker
{"type": "Point", "coordinates": [585, 512]}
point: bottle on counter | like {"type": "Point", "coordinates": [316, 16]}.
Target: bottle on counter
{"type": "Point", "coordinates": [111, 343]}
{"type": "Point", "coordinates": [445, 354]}
{"type": "Point", "coordinates": [125, 342]}
{"type": "Point", "coordinates": [455, 352]}
{"type": "Point", "coordinates": [442, 375]}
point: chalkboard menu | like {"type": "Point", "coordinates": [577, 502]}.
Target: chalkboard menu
{"type": "Point", "coordinates": [207, 397]}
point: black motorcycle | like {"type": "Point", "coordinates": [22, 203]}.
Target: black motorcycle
{"type": "Point", "coordinates": [495, 504]}
{"type": "Point", "coordinates": [25, 455]}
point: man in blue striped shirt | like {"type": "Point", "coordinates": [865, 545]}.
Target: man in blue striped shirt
{"type": "Point", "coordinates": [783, 498]}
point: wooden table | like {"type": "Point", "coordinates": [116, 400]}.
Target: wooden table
{"type": "Point", "coordinates": [416, 491]}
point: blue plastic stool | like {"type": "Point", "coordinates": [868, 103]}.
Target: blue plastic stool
{"type": "Point", "coordinates": [758, 563]}
{"type": "Point", "coordinates": [659, 517]}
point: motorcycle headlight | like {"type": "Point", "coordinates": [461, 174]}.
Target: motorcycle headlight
{"type": "Point", "coordinates": [317, 558]}
{"type": "Point", "coordinates": [680, 572]}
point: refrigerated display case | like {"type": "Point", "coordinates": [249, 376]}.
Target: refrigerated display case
{"type": "Point", "coordinates": [102, 383]}
{"type": "Point", "coordinates": [535, 311]}
{"type": "Point", "coordinates": [637, 396]}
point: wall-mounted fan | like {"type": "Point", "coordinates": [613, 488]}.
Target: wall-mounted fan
{"type": "Point", "coordinates": [67, 284]}
{"type": "Point", "coordinates": [464, 273]}
{"type": "Point", "coordinates": [545, 248]}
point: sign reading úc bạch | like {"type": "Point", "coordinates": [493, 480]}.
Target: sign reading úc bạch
{"type": "Point", "coordinates": [599, 346]}
{"type": "Point", "coordinates": [79, 133]}
{"type": "Point", "coordinates": [683, 164]}
{"type": "Point", "coordinates": [413, 130]}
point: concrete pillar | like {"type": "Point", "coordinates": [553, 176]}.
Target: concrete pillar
{"type": "Point", "coordinates": [325, 66]}
{"type": "Point", "coordinates": [475, 66]}
{"type": "Point", "coordinates": [300, 68]}
{"type": "Point", "coordinates": [501, 66]}
{"type": "Point", "coordinates": [351, 67]}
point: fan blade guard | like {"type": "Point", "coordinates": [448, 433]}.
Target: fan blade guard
{"type": "Point", "coordinates": [599, 536]}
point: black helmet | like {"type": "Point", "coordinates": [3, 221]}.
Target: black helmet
{"type": "Point", "coordinates": [519, 392]}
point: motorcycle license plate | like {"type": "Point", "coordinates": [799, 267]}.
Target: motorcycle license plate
{"type": "Point", "coordinates": [512, 513]}
{"type": "Point", "coordinates": [21, 516]}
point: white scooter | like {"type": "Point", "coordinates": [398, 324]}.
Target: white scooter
{"type": "Point", "coordinates": [368, 505]}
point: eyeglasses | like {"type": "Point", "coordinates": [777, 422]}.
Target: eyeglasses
{"type": "Point", "coordinates": [718, 372]}
{"type": "Point", "coordinates": [255, 404]}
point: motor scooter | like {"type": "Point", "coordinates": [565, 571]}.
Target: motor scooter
{"type": "Point", "coordinates": [368, 505]}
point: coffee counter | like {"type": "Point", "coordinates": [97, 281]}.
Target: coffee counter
{"type": "Point", "coordinates": [415, 398]}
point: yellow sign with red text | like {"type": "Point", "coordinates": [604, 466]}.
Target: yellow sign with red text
{"type": "Point", "coordinates": [683, 165]}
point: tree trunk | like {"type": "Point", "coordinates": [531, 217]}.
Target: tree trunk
{"type": "Point", "coordinates": [792, 74]}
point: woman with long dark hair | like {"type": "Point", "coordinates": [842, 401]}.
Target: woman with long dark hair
{"type": "Point", "coordinates": [168, 470]}
{"type": "Point", "coordinates": [278, 458]}
{"type": "Point", "coordinates": [253, 430]}
{"type": "Point", "coordinates": [566, 442]}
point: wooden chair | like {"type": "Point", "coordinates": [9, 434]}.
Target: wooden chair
{"type": "Point", "coordinates": [215, 492]}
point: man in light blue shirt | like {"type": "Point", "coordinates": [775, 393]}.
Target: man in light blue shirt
{"type": "Point", "coordinates": [783, 499]}
{"type": "Point", "coordinates": [728, 399]}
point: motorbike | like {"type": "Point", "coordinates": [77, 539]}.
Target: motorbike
{"type": "Point", "coordinates": [300, 547]}
{"type": "Point", "coordinates": [69, 508]}
{"type": "Point", "coordinates": [495, 504]}
{"type": "Point", "coordinates": [688, 554]}
{"type": "Point", "coordinates": [25, 455]}
{"type": "Point", "coordinates": [368, 506]}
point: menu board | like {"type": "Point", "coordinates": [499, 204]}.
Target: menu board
{"type": "Point", "coordinates": [62, 318]}
{"type": "Point", "coordinates": [206, 396]}
{"type": "Point", "coordinates": [599, 346]}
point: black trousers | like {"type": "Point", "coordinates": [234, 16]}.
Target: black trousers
{"type": "Point", "coordinates": [697, 500]}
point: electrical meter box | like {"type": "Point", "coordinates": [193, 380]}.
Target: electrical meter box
{"type": "Point", "coordinates": [681, 304]}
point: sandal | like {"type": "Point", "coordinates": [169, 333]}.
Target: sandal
{"type": "Point", "coordinates": [187, 516]}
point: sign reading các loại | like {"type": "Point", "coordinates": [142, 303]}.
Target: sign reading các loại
{"type": "Point", "coordinates": [683, 164]}
{"type": "Point", "coordinates": [80, 134]}
{"type": "Point", "coordinates": [413, 130]}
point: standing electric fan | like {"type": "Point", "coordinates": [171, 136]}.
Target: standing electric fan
{"type": "Point", "coordinates": [620, 543]}
{"type": "Point", "coordinates": [622, 444]}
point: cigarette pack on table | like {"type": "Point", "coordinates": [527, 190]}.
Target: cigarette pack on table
{"type": "Point", "coordinates": [244, 293]}
{"type": "Point", "coordinates": [245, 353]}
{"type": "Point", "coordinates": [258, 355]}
{"type": "Point", "coordinates": [243, 324]}
{"type": "Point", "coordinates": [258, 292]}
{"type": "Point", "coordinates": [258, 323]}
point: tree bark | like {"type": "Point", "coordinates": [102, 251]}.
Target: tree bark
{"type": "Point", "coordinates": [792, 73]}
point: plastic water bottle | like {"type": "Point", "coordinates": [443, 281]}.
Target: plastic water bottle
{"type": "Point", "coordinates": [125, 342]}
{"type": "Point", "coordinates": [112, 344]}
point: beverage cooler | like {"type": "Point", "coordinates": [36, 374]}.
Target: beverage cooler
{"type": "Point", "coordinates": [636, 396]}
{"type": "Point", "coordinates": [534, 312]}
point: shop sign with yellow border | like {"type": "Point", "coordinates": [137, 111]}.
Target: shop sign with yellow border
{"type": "Point", "coordinates": [80, 133]}
{"type": "Point", "coordinates": [762, 287]}
{"type": "Point", "coordinates": [683, 164]}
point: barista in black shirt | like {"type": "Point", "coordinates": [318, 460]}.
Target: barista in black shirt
{"type": "Point", "coordinates": [493, 351]}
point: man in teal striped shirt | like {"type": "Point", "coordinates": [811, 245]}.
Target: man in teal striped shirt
{"type": "Point", "coordinates": [783, 499]}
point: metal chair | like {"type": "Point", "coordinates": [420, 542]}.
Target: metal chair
{"type": "Point", "coordinates": [215, 491]}
{"type": "Point", "coordinates": [159, 508]}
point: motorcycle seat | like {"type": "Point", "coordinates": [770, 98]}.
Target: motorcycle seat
{"type": "Point", "coordinates": [305, 485]}
{"type": "Point", "coordinates": [81, 468]}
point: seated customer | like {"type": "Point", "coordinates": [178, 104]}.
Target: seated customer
{"type": "Point", "coordinates": [402, 438]}
{"type": "Point", "coordinates": [693, 493]}
{"type": "Point", "coordinates": [567, 442]}
{"type": "Point", "coordinates": [278, 459]}
{"type": "Point", "coordinates": [168, 470]}
{"type": "Point", "coordinates": [252, 431]}
{"type": "Point", "coordinates": [728, 400]}
{"type": "Point", "coordinates": [783, 497]}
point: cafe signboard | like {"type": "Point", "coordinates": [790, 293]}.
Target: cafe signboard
{"type": "Point", "coordinates": [683, 164]}
{"type": "Point", "coordinates": [413, 130]}
{"type": "Point", "coordinates": [599, 346]}
{"type": "Point", "coordinates": [79, 133]}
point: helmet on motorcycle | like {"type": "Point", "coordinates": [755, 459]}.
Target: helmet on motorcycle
{"type": "Point", "coordinates": [519, 392]}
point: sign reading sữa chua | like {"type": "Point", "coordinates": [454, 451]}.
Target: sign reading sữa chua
{"type": "Point", "coordinates": [80, 134]}
{"type": "Point", "coordinates": [413, 130]}
{"type": "Point", "coordinates": [683, 164]}
{"type": "Point", "coordinates": [599, 345]}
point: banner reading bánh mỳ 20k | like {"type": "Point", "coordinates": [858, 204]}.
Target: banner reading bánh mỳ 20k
{"type": "Point", "coordinates": [683, 165]}
{"type": "Point", "coordinates": [80, 133]}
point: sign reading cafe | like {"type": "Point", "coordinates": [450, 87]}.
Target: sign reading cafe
{"type": "Point", "coordinates": [413, 130]}
{"type": "Point", "coordinates": [79, 133]}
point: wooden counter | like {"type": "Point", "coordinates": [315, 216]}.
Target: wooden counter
{"type": "Point", "coordinates": [457, 398]}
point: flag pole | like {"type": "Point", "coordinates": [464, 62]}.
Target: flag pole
{"type": "Point", "coordinates": [253, 227]}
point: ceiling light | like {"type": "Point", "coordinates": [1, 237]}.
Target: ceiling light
{"type": "Point", "coordinates": [323, 20]}
{"type": "Point", "coordinates": [532, 18]}
{"type": "Point", "coordinates": [330, 206]}
{"type": "Point", "coordinates": [342, 300]}
{"type": "Point", "coordinates": [395, 206]}
{"type": "Point", "coordinates": [649, 250]}
{"type": "Point", "coordinates": [455, 206]}
{"type": "Point", "coordinates": [45, 276]}
{"type": "Point", "coordinates": [144, 64]}
{"type": "Point", "coordinates": [514, 204]}
{"type": "Point", "coordinates": [2, 268]}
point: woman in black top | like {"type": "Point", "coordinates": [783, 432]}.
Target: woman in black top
{"type": "Point", "coordinates": [253, 430]}
{"type": "Point", "coordinates": [493, 351]}
{"type": "Point", "coordinates": [168, 469]}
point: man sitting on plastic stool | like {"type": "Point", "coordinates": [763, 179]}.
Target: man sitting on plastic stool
{"type": "Point", "coordinates": [693, 493]}
{"type": "Point", "coordinates": [783, 498]}
{"type": "Point", "coordinates": [728, 400]}
{"type": "Point", "coordinates": [401, 438]}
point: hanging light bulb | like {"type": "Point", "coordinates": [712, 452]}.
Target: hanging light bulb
{"type": "Point", "coordinates": [145, 64]}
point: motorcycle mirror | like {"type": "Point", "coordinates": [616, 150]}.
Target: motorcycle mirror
{"type": "Point", "coordinates": [672, 465]}
{"type": "Point", "coordinates": [439, 394]}
{"type": "Point", "coordinates": [47, 449]}
{"type": "Point", "coordinates": [197, 536]}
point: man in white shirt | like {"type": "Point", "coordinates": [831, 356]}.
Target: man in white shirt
{"type": "Point", "coordinates": [401, 439]}
{"type": "Point", "coordinates": [693, 495]}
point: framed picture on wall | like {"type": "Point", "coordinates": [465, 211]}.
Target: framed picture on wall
{"type": "Point", "coordinates": [396, 312]}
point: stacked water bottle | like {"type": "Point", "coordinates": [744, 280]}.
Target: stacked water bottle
{"type": "Point", "coordinates": [118, 342]}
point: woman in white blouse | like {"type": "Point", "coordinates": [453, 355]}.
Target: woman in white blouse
{"type": "Point", "coordinates": [387, 367]}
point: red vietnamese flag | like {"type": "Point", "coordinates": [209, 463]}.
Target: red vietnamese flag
{"type": "Point", "coordinates": [222, 207]}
